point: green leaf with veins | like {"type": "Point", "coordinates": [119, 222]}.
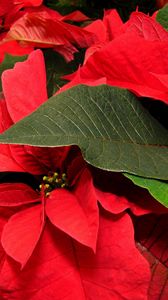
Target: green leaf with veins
{"type": "Point", "coordinates": [109, 124]}
{"type": "Point", "coordinates": [162, 17]}
{"type": "Point", "coordinates": [157, 188]}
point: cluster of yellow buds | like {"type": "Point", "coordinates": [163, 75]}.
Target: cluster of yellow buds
{"type": "Point", "coordinates": [53, 181]}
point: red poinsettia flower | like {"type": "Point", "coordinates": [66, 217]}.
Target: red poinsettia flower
{"type": "Point", "coordinates": [134, 58]}
{"type": "Point", "coordinates": [71, 206]}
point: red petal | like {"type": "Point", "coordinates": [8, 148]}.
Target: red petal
{"type": "Point", "coordinates": [115, 200]}
{"type": "Point", "coordinates": [36, 160]}
{"type": "Point", "coordinates": [29, 162]}
{"type": "Point", "coordinates": [152, 232]}
{"type": "Point", "coordinates": [125, 65]}
{"type": "Point", "coordinates": [13, 48]}
{"type": "Point", "coordinates": [7, 164]}
{"type": "Point", "coordinates": [51, 158]}
{"type": "Point", "coordinates": [158, 287]}
{"type": "Point", "coordinates": [5, 6]}
{"type": "Point", "coordinates": [111, 202]}
{"type": "Point", "coordinates": [22, 232]}
{"type": "Point", "coordinates": [113, 23]}
{"type": "Point", "coordinates": [24, 86]}
{"type": "Point", "coordinates": [24, 3]}
{"type": "Point", "coordinates": [51, 273]}
{"type": "Point", "coordinates": [140, 203]}
{"type": "Point", "coordinates": [118, 257]}
{"type": "Point", "coordinates": [76, 16]}
{"type": "Point", "coordinates": [117, 271]}
{"type": "Point", "coordinates": [5, 120]}
{"type": "Point", "coordinates": [40, 30]}
{"type": "Point", "coordinates": [152, 236]}
{"type": "Point", "coordinates": [146, 27]}
{"type": "Point", "coordinates": [75, 164]}
{"type": "Point", "coordinates": [87, 199]}
{"type": "Point", "coordinates": [98, 28]}
{"type": "Point", "coordinates": [66, 213]}
{"type": "Point", "coordinates": [16, 194]}
{"type": "Point", "coordinates": [162, 77]}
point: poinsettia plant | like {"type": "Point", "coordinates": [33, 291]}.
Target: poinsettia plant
{"type": "Point", "coordinates": [83, 150]}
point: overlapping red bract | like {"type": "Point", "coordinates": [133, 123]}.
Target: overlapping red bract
{"type": "Point", "coordinates": [28, 24]}
{"type": "Point", "coordinates": [161, 3]}
{"type": "Point", "coordinates": [142, 69]}
{"type": "Point", "coordinates": [5, 6]}
{"type": "Point", "coordinates": [152, 236]}
{"type": "Point", "coordinates": [114, 272]}
{"type": "Point", "coordinates": [38, 29]}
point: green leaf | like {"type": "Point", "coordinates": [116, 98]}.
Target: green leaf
{"type": "Point", "coordinates": [157, 188]}
{"type": "Point", "coordinates": [9, 62]}
{"type": "Point", "coordinates": [109, 124]}
{"type": "Point", "coordinates": [162, 17]}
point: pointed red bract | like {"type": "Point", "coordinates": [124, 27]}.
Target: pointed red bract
{"type": "Point", "coordinates": [76, 16]}
{"type": "Point", "coordinates": [115, 272]}
{"type": "Point", "coordinates": [115, 199]}
{"type": "Point", "coordinates": [7, 162]}
{"type": "Point", "coordinates": [151, 233]}
{"type": "Point", "coordinates": [22, 232]}
{"type": "Point", "coordinates": [24, 3]}
{"type": "Point", "coordinates": [161, 3]}
{"type": "Point", "coordinates": [38, 29]}
{"type": "Point", "coordinates": [125, 65]}
{"type": "Point", "coordinates": [13, 48]}
{"type": "Point", "coordinates": [64, 211]}
{"type": "Point", "coordinates": [29, 24]}
{"type": "Point", "coordinates": [146, 27]}
{"type": "Point", "coordinates": [5, 6]}
{"type": "Point", "coordinates": [16, 194]}
{"type": "Point", "coordinates": [26, 81]}
{"type": "Point", "coordinates": [25, 87]}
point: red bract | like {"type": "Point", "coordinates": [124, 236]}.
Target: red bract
{"type": "Point", "coordinates": [13, 48]}
{"type": "Point", "coordinates": [161, 3]}
{"type": "Point", "coordinates": [14, 108]}
{"type": "Point", "coordinates": [37, 29]}
{"type": "Point", "coordinates": [24, 3]}
{"type": "Point", "coordinates": [135, 58]}
{"type": "Point", "coordinates": [31, 24]}
{"type": "Point", "coordinates": [152, 235]}
{"type": "Point", "coordinates": [14, 5]}
{"type": "Point", "coordinates": [5, 6]}
{"type": "Point", "coordinates": [62, 268]}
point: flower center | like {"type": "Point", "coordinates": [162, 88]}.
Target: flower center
{"type": "Point", "coordinates": [53, 181]}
